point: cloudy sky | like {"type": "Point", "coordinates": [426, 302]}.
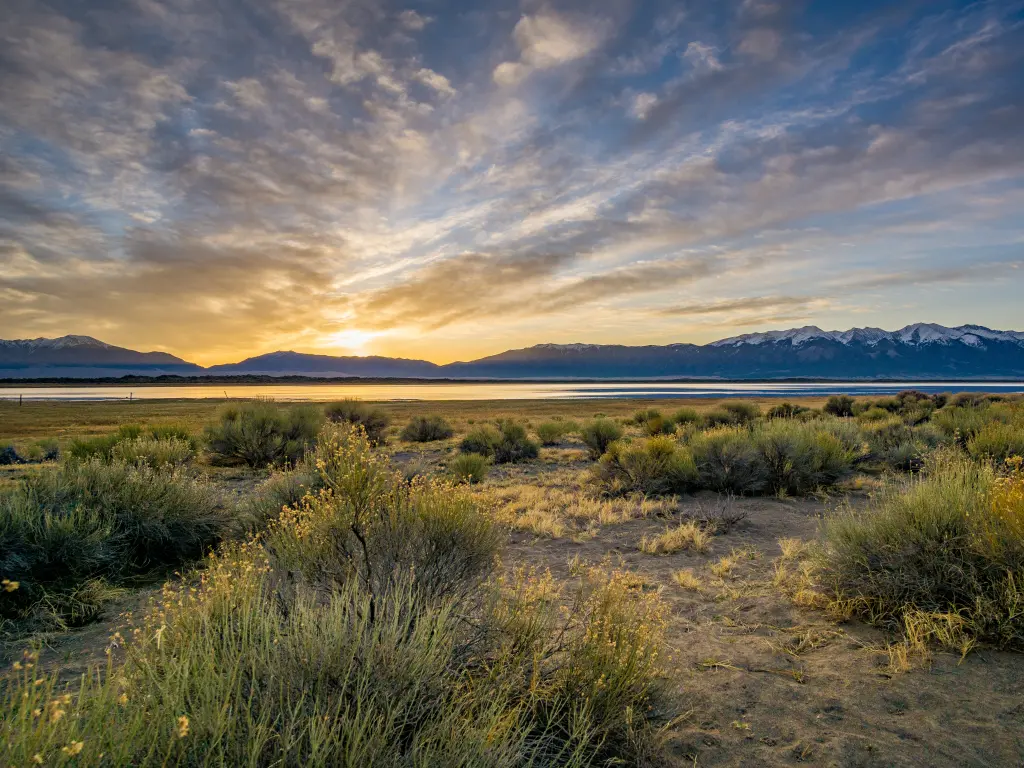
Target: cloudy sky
{"type": "Point", "coordinates": [443, 180]}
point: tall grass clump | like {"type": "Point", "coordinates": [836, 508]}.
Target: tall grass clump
{"type": "Point", "coordinates": [469, 468]}
{"type": "Point", "coordinates": [367, 626]}
{"type": "Point", "coordinates": [946, 545]}
{"type": "Point", "coordinates": [262, 434]}
{"type": "Point", "coordinates": [655, 467]}
{"type": "Point", "coordinates": [156, 452]}
{"type": "Point", "coordinates": [599, 434]}
{"type": "Point", "coordinates": [373, 420]}
{"type": "Point", "coordinates": [88, 520]}
{"type": "Point", "coordinates": [426, 429]}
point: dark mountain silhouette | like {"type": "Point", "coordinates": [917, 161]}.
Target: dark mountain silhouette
{"type": "Point", "coordinates": [83, 357]}
{"type": "Point", "coordinates": [920, 351]}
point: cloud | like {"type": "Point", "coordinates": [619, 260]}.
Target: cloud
{"type": "Point", "coordinates": [732, 306]}
{"type": "Point", "coordinates": [546, 40]}
{"type": "Point", "coordinates": [220, 182]}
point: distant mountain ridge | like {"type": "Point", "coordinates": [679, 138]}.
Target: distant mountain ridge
{"type": "Point", "coordinates": [83, 357]}
{"type": "Point", "coordinates": [918, 351]}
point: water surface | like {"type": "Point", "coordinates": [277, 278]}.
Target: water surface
{"type": "Point", "coordinates": [495, 390]}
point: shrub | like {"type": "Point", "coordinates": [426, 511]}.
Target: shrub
{"type": "Point", "coordinates": [551, 432]}
{"type": "Point", "coordinates": [743, 412]}
{"type": "Point", "coordinates": [947, 545]}
{"type": "Point", "coordinates": [374, 421]}
{"type": "Point", "coordinates": [425, 429]}
{"type": "Point", "coordinates": [997, 441]}
{"type": "Point", "coordinates": [655, 467]}
{"type": "Point", "coordinates": [481, 440]}
{"type": "Point", "coordinates": [652, 423]}
{"type": "Point", "coordinates": [89, 519]}
{"type": "Point", "coordinates": [839, 405]}
{"type": "Point", "coordinates": [47, 449]}
{"type": "Point", "coordinates": [599, 434]}
{"type": "Point", "coordinates": [685, 416]}
{"type": "Point", "coordinates": [515, 445]}
{"type": "Point", "coordinates": [9, 455]}
{"type": "Point", "coordinates": [732, 413]}
{"type": "Point", "coordinates": [170, 451]}
{"type": "Point", "coordinates": [506, 444]}
{"type": "Point", "coordinates": [469, 467]}
{"type": "Point", "coordinates": [801, 457]}
{"type": "Point", "coordinates": [785, 411]}
{"type": "Point", "coordinates": [261, 434]}
{"type": "Point", "coordinates": [728, 461]}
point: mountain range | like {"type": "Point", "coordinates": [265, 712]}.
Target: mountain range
{"type": "Point", "coordinates": [919, 351]}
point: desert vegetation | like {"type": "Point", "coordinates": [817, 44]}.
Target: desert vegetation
{"type": "Point", "coordinates": [520, 588]}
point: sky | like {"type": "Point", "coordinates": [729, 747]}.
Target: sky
{"type": "Point", "coordinates": [445, 180]}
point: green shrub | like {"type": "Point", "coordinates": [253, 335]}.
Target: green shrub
{"type": "Point", "coordinates": [732, 413]}
{"type": "Point", "coordinates": [652, 422]}
{"type": "Point", "coordinates": [92, 519]}
{"type": "Point", "coordinates": [507, 443]}
{"type": "Point", "coordinates": [469, 467]}
{"type": "Point", "coordinates": [551, 432]}
{"type": "Point", "coordinates": [156, 452]}
{"type": "Point", "coordinates": [481, 440]}
{"type": "Point", "coordinates": [599, 434]}
{"type": "Point", "coordinates": [743, 412]}
{"type": "Point", "coordinates": [262, 434]}
{"type": "Point", "coordinates": [947, 545]}
{"type": "Point", "coordinates": [997, 441]}
{"type": "Point", "coordinates": [785, 411]}
{"type": "Point", "coordinates": [839, 405]}
{"type": "Point", "coordinates": [47, 449]}
{"type": "Point", "coordinates": [686, 416]}
{"type": "Point", "coordinates": [802, 457]}
{"type": "Point", "coordinates": [653, 467]}
{"type": "Point", "coordinates": [374, 421]}
{"type": "Point", "coordinates": [874, 413]}
{"type": "Point", "coordinates": [514, 445]}
{"type": "Point", "coordinates": [425, 429]}
{"type": "Point", "coordinates": [727, 461]}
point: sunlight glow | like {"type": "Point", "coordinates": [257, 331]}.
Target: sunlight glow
{"type": "Point", "coordinates": [352, 340]}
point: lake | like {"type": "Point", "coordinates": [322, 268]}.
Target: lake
{"type": "Point", "coordinates": [496, 390]}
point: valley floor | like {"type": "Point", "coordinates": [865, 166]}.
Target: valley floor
{"type": "Point", "coordinates": [759, 679]}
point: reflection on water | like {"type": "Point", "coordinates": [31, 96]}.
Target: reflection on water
{"type": "Point", "coordinates": [495, 391]}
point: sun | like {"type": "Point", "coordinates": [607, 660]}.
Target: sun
{"type": "Point", "coordinates": [352, 340]}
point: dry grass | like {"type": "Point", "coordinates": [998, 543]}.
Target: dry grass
{"type": "Point", "coordinates": [687, 535]}
{"type": "Point", "coordinates": [560, 510]}
{"type": "Point", "coordinates": [687, 579]}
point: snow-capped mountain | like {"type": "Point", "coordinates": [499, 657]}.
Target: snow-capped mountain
{"type": "Point", "coordinates": [916, 334]}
